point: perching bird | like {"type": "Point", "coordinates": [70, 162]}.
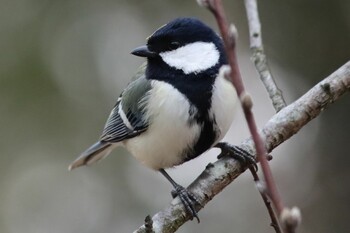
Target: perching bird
{"type": "Point", "coordinates": [176, 108]}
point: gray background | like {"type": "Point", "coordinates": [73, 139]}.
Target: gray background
{"type": "Point", "coordinates": [64, 63]}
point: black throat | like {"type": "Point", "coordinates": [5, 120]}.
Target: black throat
{"type": "Point", "coordinates": [198, 88]}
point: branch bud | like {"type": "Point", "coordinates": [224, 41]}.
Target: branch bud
{"type": "Point", "coordinates": [224, 72]}
{"type": "Point", "coordinates": [260, 185]}
{"type": "Point", "coordinates": [149, 224]}
{"type": "Point", "coordinates": [203, 3]}
{"type": "Point", "coordinates": [233, 33]}
{"type": "Point", "coordinates": [290, 218]}
{"type": "Point", "coordinates": [246, 100]}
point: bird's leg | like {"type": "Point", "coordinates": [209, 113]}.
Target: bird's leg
{"type": "Point", "coordinates": [243, 156]}
{"type": "Point", "coordinates": [186, 197]}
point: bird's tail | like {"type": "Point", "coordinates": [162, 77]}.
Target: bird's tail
{"type": "Point", "coordinates": [96, 152]}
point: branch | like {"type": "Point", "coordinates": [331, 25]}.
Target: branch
{"type": "Point", "coordinates": [259, 57]}
{"type": "Point", "coordinates": [260, 61]}
{"type": "Point", "coordinates": [229, 38]}
{"type": "Point", "coordinates": [278, 129]}
{"type": "Point", "coordinates": [262, 191]}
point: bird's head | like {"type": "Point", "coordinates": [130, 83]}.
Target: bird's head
{"type": "Point", "coordinates": [184, 45]}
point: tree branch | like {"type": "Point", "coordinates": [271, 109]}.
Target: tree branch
{"type": "Point", "coordinates": [275, 94]}
{"type": "Point", "coordinates": [274, 221]}
{"type": "Point", "coordinates": [259, 57]}
{"type": "Point", "coordinates": [278, 129]}
{"type": "Point", "coordinates": [229, 37]}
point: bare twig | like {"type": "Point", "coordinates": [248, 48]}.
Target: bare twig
{"type": "Point", "coordinates": [259, 57]}
{"type": "Point", "coordinates": [216, 7]}
{"type": "Point", "coordinates": [278, 129]}
{"type": "Point", "coordinates": [274, 220]}
{"type": "Point", "coordinates": [247, 103]}
{"type": "Point", "coordinates": [260, 61]}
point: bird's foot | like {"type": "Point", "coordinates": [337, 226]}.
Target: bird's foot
{"type": "Point", "coordinates": [187, 199]}
{"type": "Point", "coordinates": [243, 156]}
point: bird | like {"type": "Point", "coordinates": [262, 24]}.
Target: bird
{"type": "Point", "coordinates": [176, 107]}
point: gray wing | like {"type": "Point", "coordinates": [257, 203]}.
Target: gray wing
{"type": "Point", "coordinates": [126, 118]}
{"type": "Point", "coordinates": [117, 129]}
{"type": "Point", "coordinates": [125, 121]}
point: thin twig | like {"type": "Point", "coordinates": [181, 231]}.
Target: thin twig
{"type": "Point", "coordinates": [274, 220]}
{"type": "Point", "coordinates": [259, 57]}
{"type": "Point", "coordinates": [260, 61]}
{"type": "Point", "coordinates": [217, 8]}
{"type": "Point", "coordinates": [278, 129]}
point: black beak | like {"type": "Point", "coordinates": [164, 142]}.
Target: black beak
{"type": "Point", "coordinates": [143, 51]}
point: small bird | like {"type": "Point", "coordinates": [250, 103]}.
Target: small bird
{"type": "Point", "coordinates": [176, 107]}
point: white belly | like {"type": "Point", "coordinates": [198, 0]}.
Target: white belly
{"type": "Point", "coordinates": [169, 133]}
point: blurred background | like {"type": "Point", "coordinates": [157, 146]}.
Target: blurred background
{"type": "Point", "coordinates": [62, 67]}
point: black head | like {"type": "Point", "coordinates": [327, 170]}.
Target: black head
{"type": "Point", "coordinates": [184, 45]}
{"type": "Point", "coordinates": [180, 32]}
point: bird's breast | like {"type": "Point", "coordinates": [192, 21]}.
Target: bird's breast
{"type": "Point", "coordinates": [223, 106]}
{"type": "Point", "coordinates": [170, 132]}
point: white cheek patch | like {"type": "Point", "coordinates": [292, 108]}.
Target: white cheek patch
{"type": "Point", "coordinates": [192, 58]}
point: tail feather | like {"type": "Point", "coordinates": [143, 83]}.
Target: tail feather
{"type": "Point", "coordinates": [96, 152]}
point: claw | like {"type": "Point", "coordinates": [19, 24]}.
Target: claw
{"type": "Point", "coordinates": [187, 199]}
{"type": "Point", "coordinates": [243, 156]}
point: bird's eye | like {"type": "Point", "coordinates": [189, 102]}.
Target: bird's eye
{"type": "Point", "coordinates": [174, 45]}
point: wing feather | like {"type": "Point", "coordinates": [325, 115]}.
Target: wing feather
{"type": "Point", "coordinates": [126, 119]}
